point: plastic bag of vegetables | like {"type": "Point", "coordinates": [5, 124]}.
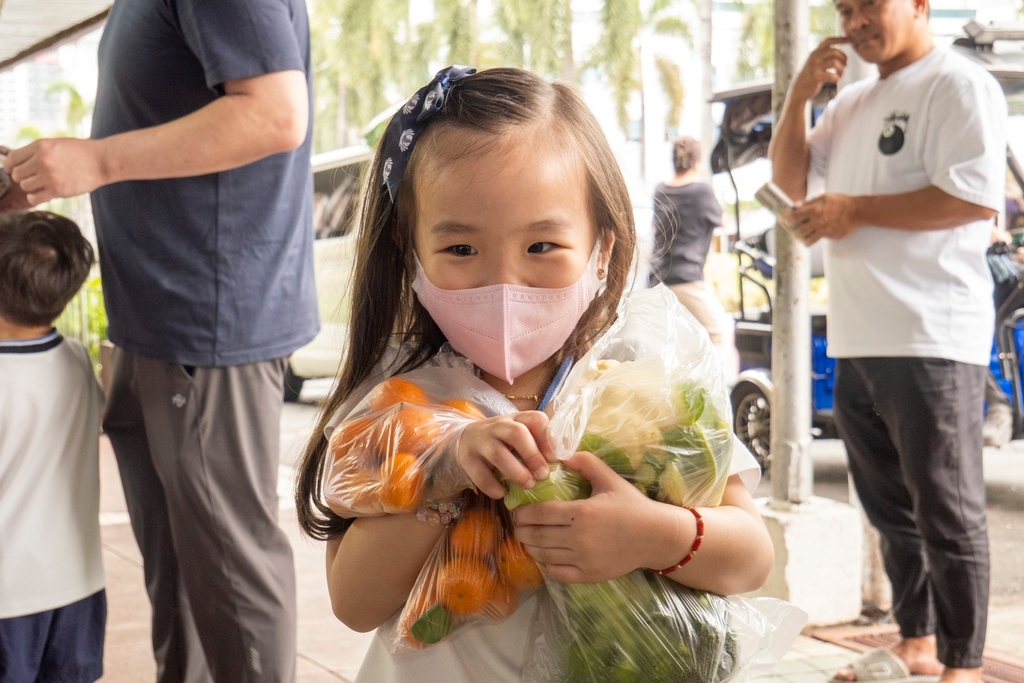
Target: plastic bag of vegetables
{"type": "Point", "coordinates": [649, 399]}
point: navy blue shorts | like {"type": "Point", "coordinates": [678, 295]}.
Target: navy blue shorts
{"type": "Point", "coordinates": [63, 645]}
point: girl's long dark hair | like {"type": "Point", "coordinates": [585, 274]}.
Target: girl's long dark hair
{"type": "Point", "coordinates": [497, 103]}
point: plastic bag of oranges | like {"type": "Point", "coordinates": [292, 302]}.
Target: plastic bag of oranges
{"type": "Point", "coordinates": [394, 452]}
{"type": "Point", "coordinates": [476, 571]}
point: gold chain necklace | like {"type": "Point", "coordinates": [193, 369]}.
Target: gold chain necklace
{"type": "Point", "coordinates": [534, 398]}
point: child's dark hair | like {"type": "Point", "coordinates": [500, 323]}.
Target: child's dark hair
{"type": "Point", "coordinates": [44, 259]}
{"type": "Point", "coordinates": [685, 153]}
{"type": "Point", "coordinates": [481, 112]}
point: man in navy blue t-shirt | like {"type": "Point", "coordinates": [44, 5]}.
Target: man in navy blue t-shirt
{"type": "Point", "coordinates": [201, 187]}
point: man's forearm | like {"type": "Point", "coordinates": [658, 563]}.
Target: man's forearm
{"type": "Point", "coordinates": [227, 133]}
{"type": "Point", "coordinates": [926, 209]}
{"type": "Point", "coordinates": [788, 150]}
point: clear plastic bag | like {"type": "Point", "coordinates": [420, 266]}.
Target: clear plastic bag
{"type": "Point", "coordinates": [649, 400]}
{"type": "Point", "coordinates": [393, 452]}
{"type": "Point", "coordinates": [476, 571]}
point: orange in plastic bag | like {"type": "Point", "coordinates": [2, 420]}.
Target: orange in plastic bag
{"type": "Point", "coordinates": [465, 407]}
{"type": "Point", "coordinates": [475, 535]}
{"type": "Point", "coordinates": [517, 567]}
{"type": "Point", "coordinates": [464, 586]}
{"type": "Point", "coordinates": [397, 390]}
{"type": "Point", "coordinates": [416, 430]}
{"type": "Point", "coordinates": [402, 482]}
{"type": "Point", "coordinates": [504, 601]}
{"type": "Point", "coordinates": [360, 436]}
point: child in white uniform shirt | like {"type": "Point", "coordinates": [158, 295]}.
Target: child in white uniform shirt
{"type": "Point", "coordinates": [52, 600]}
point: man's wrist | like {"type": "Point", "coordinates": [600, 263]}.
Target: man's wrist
{"type": "Point", "coordinates": [106, 170]}
{"type": "Point", "coordinates": [799, 96]}
{"type": "Point", "coordinates": [855, 211]}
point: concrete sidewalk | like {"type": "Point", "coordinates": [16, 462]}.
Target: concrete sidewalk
{"type": "Point", "coordinates": [330, 652]}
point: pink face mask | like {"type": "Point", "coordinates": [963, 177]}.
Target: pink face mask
{"type": "Point", "coordinates": [508, 329]}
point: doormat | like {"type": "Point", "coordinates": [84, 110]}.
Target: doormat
{"type": "Point", "coordinates": [996, 667]}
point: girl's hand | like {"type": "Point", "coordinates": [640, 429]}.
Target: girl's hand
{"type": "Point", "coordinates": [516, 445]}
{"type": "Point", "coordinates": [603, 537]}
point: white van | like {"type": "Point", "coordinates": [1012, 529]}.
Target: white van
{"type": "Point", "coordinates": [336, 183]}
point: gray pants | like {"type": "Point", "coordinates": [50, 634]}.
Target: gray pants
{"type": "Point", "coordinates": [198, 450]}
{"type": "Point", "coordinates": [912, 428]}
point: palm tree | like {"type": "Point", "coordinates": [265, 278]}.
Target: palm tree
{"type": "Point", "coordinates": [618, 52]}
{"type": "Point", "coordinates": [367, 55]}
{"type": "Point", "coordinates": [618, 56]}
{"type": "Point", "coordinates": [538, 36]}
{"type": "Point", "coordinates": [75, 109]}
{"type": "Point", "coordinates": [757, 42]}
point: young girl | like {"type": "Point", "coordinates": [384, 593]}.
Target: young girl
{"type": "Point", "coordinates": [489, 179]}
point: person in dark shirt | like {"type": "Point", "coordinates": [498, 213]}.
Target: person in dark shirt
{"type": "Point", "coordinates": [199, 169]}
{"type": "Point", "coordinates": [686, 214]}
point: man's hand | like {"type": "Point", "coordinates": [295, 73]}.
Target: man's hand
{"type": "Point", "coordinates": [830, 215]}
{"type": "Point", "coordinates": [824, 65]}
{"type": "Point", "coordinates": [14, 200]}
{"type": "Point", "coordinates": [56, 167]}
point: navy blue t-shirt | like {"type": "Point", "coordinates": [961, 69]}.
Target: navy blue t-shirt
{"type": "Point", "coordinates": [212, 270]}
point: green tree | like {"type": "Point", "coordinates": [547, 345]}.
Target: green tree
{"type": "Point", "coordinates": [538, 36]}
{"type": "Point", "coordinates": [365, 54]}
{"type": "Point", "coordinates": [624, 24]}
{"type": "Point", "coordinates": [757, 42]}
{"type": "Point", "coordinates": [76, 109]}
{"type": "Point", "coordinates": [368, 56]}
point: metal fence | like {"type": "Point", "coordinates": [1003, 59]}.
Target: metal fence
{"type": "Point", "coordinates": [85, 318]}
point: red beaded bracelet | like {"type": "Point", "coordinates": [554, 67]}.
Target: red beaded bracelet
{"type": "Point", "coordinates": [693, 549]}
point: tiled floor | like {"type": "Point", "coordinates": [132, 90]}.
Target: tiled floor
{"type": "Point", "coordinates": [809, 661]}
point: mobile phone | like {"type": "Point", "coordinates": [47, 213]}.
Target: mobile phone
{"type": "Point", "coordinates": [775, 199]}
{"type": "Point", "coordinates": [6, 183]}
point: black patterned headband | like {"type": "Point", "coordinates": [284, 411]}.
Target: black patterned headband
{"type": "Point", "coordinates": [408, 123]}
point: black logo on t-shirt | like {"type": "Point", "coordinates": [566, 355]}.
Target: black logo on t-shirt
{"type": "Point", "coordinates": [893, 133]}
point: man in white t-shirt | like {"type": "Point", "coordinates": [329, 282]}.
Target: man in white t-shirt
{"type": "Point", "coordinates": [912, 165]}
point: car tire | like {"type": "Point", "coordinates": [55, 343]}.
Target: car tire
{"type": "Point", "coordinates": [752, 421]}
{"type": "Point", "coordinates": [292, 385]}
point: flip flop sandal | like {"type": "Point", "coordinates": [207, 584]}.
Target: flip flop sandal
{"type": "Point", "coordinates": [881, 664]}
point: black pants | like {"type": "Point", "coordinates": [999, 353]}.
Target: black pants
{"type": "Point", "coordinates": [912, 428]}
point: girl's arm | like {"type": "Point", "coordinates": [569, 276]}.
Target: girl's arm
{"type": "Point", "coordinates": [736, 554]}
{"type": "Point", "coordinates": [618, 529]}
{"type": "Point", "coordinates": [372, 568]}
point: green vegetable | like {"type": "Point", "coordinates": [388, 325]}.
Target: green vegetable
{"type": "Point", "coordinates": [690, 469]}
{"type": "Point", "coordinates": [638, 628]}
{"type": "Point", "coordinates": [562, 483]}
{"type": "Point", "coordinates": [645, 475]}
{"type": "Point", "coordinates": [433, 626]}
{"type": "Point", "coordinates": [690, 400]}
{"type": "Point", "coordinates": [602, 448]}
